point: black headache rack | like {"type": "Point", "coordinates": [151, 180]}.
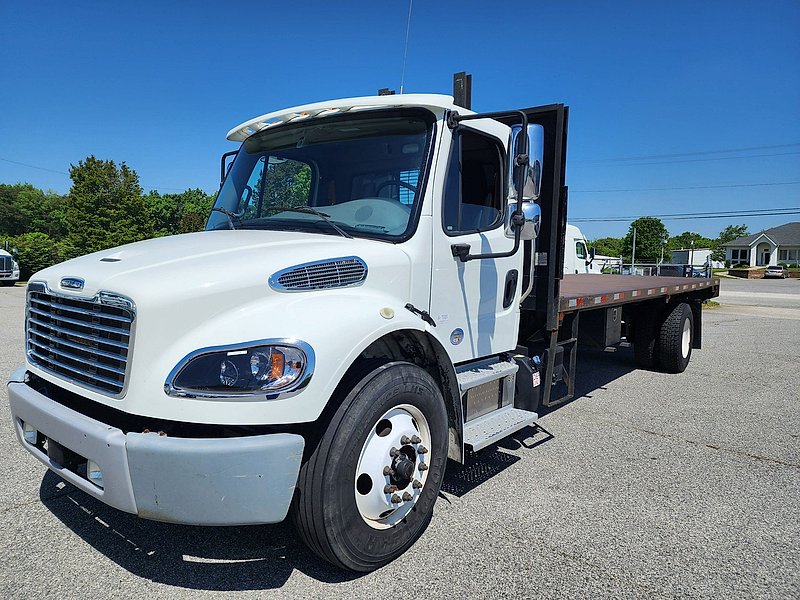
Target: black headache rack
{"type": "Point", "coordinates": [541, 332]}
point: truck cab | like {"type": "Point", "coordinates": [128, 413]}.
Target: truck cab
{"type": "Point", "coordinates": [377, 289]}
{"type": "Point", "coordinates": [579, 256]}
{"type": "Point", "coordinates": [9, 269]}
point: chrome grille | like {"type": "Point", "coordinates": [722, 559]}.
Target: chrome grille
{"type": "Point", "coordinates": [84, 340]}
{"type": "Point", "coordinates": [5, 264]}
{"type": "Point", "coordinates": [333, 273]}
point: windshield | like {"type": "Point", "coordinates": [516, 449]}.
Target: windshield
{"type": "Point", "coordinates": [360, 175]}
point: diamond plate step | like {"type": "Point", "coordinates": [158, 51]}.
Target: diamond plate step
{"type": "Point", "coordinates": [495, 426]}
{"type": "Point", "coordinates": [478, 374]}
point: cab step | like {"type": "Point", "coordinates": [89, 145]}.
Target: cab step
{"type": "Point", "coordinates": [496, 425]}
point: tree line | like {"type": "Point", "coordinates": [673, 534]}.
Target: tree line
{"type": "Point", "coordinates": [653, 241]}
{"type": "Point", "coordinates": [105, 207]}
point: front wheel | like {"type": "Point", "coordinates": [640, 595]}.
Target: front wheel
{"type": "Point", "coordinates": [366, 492]}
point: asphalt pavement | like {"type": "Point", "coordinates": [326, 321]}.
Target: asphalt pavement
{"type": "Point", "coordinates": [646, 485]}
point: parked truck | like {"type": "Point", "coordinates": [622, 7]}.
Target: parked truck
{"type": "Point", "coordinates": [379, 288]}
{"type": "Point", "coordinates": [579, 256]}
{"type": "Point", "coordinates": [9, 269]}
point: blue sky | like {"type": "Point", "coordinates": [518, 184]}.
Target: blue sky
{"type": "Point", "coordinates": [158, 85]}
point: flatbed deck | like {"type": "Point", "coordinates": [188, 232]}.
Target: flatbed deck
{"type": "Point", "coordinates": [580, 292]}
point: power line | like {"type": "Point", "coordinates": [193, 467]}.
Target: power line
{"type": "Point", "coordinates": [682, 154]}
{"type": "Point", "coordinates": [690, 187]}
{"type": "Point", "coordinates": [691, 160]}
{"type": "Point", "coordinates": [22, 164]}
{"type": "Point", "coordinates": [730, 214]}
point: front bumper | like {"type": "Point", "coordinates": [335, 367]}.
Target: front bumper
{"type": "Point", "coordinates": [219, 481]}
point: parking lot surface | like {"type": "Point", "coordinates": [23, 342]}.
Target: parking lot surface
{"type": "Point", "coordinates": [646, 485]}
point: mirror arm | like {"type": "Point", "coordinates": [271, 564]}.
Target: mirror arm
{"type": "Point", "coordinates": [222, 172]}
{"type": "Point", "coordinates": [461, 251]}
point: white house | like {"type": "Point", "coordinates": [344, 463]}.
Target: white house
{"type": "Point", "coordinates": [769, 247]}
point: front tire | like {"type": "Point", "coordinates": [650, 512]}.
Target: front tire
{"type": "Point", "coordinates": [366, 492]}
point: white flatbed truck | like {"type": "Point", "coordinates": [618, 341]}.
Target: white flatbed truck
{"type": "Point", "coordinates": [379, 288]}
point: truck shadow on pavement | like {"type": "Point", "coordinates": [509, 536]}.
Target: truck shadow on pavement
{"type": "Point", "coordinates": [264, 556]}
{"type": "Point", "coordinates": [204, 558]}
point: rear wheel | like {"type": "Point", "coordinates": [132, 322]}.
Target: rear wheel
{"type": "Point", "coordinates": [675, 339]}
{"type": "Point", "coordinates": [645, 337]}
{"type": "Point", "coordinates": [366, 493]}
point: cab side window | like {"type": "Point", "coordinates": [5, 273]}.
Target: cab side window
{"type": "Point", "coordinates": [580, 250]}
{"type": "Point", "coordinates": [473, 199]}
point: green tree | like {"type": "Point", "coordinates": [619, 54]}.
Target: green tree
{"type": "Point", "coordinates": [730, 233]}
{"type": "Point", "coordinates": [34, 252]}
{"type": "Point", "coordinates": [178, 213]}
{"type": "Point", "coordinates": [608, 246]}
{"type": "Point", "coordinates": [685, 239]}
{"type": "Point", "coordinates": [650, 234]}
{"type": "Point", "coordinates": [104, 207]}
{"type": "Point", "coordinates": [24, 209]}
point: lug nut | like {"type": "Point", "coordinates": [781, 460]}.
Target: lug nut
{"type": "Point", "coordinates": [388, 471]}
{"type": "Point", "coordinates": [389, 489]}
{"type": "Point", "coordinates": [423, 467]}
{"type": "Point", "coordinates": [396, 499]}
{"type": "Point", "coordinates": [405, 440]}
{"type": "Point", "coordinates": [394, 452]}
{"type": "Point", "coordinates": [415, 439]}
{"type": "Point", "coordinates": [416, 485]}
{"type": "Point", "coordinates": [407, 497]}
{"type": "Point", "coordinates": [422, 450]}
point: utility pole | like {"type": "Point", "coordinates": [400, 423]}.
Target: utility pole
{"type": "Point", "coordinates": [633, 254]}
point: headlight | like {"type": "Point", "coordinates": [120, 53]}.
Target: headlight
{"type": "Point", "coordinates": [235, 371]}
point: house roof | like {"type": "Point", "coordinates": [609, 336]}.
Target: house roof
{"type": "Point", "coordinates": [783, 235]}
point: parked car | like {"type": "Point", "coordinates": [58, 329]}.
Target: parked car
{"type": "Point", "coordinates": [776, 271]}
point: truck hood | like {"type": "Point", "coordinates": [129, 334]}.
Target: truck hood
{"type": "Point", "coordinates": [217, 267]}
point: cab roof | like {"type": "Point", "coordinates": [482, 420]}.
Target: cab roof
{"type": "Point", "coordinates": [436, 102]}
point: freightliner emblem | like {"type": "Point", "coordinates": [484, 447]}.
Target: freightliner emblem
{"type": "Point", "coordinates": [72, 283]}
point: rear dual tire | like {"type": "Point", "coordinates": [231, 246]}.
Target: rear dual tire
{"type": "Point", "coordinates": [664, 340]}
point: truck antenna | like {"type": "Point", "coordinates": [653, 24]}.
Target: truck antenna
{"type": "Point", "coordinates": [405, 47]}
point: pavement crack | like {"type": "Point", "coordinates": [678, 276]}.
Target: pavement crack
{"type": "Point", "coordinates": [37, 500]}
{"type": "Point", "coordinates": [668, 436]}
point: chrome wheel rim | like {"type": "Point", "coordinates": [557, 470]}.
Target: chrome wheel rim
{"type": "Point", "coordinates": [686, 337]}
{"type": "Point", "coordinates": [392, 468]}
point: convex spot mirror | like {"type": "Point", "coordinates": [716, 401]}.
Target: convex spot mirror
{"type": "Point", "coordinates": [532, 187]}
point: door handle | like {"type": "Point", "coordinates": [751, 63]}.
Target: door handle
{"type": "Point", "coordinates": [510, 288]}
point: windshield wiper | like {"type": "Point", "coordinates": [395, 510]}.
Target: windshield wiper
{"type": "Point", "coordinates": [313, 211]}
{"type": "Point", "coordinates": [229, 214]}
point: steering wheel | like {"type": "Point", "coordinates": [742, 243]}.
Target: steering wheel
{"type": "Point", "coordinates": [396, 182]}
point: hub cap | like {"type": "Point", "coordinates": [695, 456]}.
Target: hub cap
{"type": "Point", "coordinates": [393, 466]}
{"type": "Point", "coordinates": [686, 337]}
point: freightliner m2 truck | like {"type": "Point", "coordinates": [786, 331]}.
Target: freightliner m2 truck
{"type": "Point", "coordinates": [379, 288]}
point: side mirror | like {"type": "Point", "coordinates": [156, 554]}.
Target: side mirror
{"type": "Point", "coordinates": [533, 182]}
{"type": "Point", "coordinates": [592, 252]}
{"type": "Point", "coordinates": [533, 171]}
{"type": "Point", "coordinates": [533, 217]}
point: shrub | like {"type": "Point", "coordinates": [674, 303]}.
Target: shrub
{"type": "Point", "coordinates": [34, 252]}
